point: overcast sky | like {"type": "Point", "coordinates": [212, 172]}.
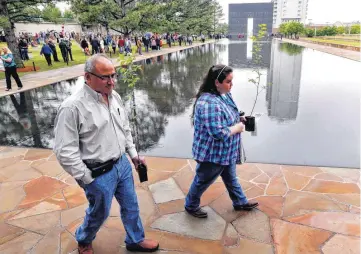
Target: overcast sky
{"type": "Point", "coordinates": [320, 11]}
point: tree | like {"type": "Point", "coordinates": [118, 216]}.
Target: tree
{"type": "Point", "coordinates": [145, 16]}
{"type": "Point", "coordinates": [222, 28]}
{"type": "Point", "coordinates": [103, 12]}
{"type": "Point", "coordinates": [341, 30]}
{"type": "Point", "coordinates": [355, 29]}
{"type": "Point", "coordinates": [12, 11]}
{"type": "Point", "coordinates": [294, 28]}
{"type": "Point", "coordinates": [68, 14]}
{"type": "Point", "coordinates": [327, 31]}
{"type": "Point", "coordinates": [51, 13]}
{"type": "Point", "coordinates": [309, 32]}
{"type": "Point", "coordinates": [283, 29]}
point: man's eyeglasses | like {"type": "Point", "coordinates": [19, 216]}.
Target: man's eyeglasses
{"type": "Point", "coordinates": [113, 76]}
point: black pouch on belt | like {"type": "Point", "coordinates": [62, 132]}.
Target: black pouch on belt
{"type": "Point", "coordinates": [99, 169]}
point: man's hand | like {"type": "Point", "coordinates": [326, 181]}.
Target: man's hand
{"type": "Point", "coordinates": [138, 160]}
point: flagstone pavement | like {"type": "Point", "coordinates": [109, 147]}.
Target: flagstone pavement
{"type": "Point", "coordinates": [302, 209]}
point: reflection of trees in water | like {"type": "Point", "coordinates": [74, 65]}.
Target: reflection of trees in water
{"type": "Point", "coordinates": [148, 124]}
{"type": "Point", "coordinates": [28, 117]}
{"type": "Point", "coordinates": [167, 88]}
{"type": "Point", "coordinates": [290, 49]}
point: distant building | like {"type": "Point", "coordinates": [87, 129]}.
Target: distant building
{"type": "Point", "coordinates": [289, 10]}
{"type": "Point", "coordinates": [245, 18]}
{"type": "Point", "coordinates": [241, 55]}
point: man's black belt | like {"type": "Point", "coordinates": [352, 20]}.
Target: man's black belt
{"type": "Point", "coordinates": [100, 168]}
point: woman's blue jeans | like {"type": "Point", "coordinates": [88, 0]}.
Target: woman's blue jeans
{"type": "Point", "coordinates": [206, 174]}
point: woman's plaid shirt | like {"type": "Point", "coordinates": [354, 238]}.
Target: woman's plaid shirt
{"type": "Point", "coordinates": [212, 141]}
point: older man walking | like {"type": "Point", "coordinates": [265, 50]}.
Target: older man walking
{"type": "Point", "coordinates": [92, 135]}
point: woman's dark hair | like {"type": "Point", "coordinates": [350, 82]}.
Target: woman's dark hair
{"type": "Point", "coordinates": [209, 82]}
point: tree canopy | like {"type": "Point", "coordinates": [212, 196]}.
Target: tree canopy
{"type": "Point", "coordinates": [127, 16]}
{"type": "Point", "coordinates": [51, 13]}
{"type": "Point", "coordinates": [355, 29]}
{"type": "Point", "coordinates": [291, 28]}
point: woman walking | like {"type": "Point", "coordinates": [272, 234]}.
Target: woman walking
{"type": "Point", "coordinates": [10, 69]}
{"type": "Point", "coordinates": [217, 141]}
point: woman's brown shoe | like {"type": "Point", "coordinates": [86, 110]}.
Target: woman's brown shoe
{"type": "Point", "coordinates": [146, 246]}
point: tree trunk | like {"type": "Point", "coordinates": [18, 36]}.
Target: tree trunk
{"type": "Point", "coordinates": [10, 33]}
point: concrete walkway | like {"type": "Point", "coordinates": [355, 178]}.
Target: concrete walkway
{"type": "Point", "coordinates": [302, 209]}
{"type": "Point", "coordinates": [353, 55]}
{"type": "Point", "coordinates": [39, 79]}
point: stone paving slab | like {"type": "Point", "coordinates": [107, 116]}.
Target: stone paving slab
{"type": "Point", "coordinates": [40, 79]}
{"type": "Point", "coordinates": [345, 53]}
{"type": "Point", "coordinates": [40, 212]}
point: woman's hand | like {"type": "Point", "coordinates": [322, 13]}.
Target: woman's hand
{"type": "Point", "coordinates": [243, 119]}
{"type": "Point", "coordinates": [237, 128]}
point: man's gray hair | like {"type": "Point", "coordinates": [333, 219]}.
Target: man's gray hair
{"type": "Point", "coordinates": [90, 63]}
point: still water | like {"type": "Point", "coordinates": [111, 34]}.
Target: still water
{"type": "Point", "coordinates": [308, 110]}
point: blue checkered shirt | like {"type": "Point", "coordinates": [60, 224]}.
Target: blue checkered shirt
{"type": "Point", "coordinates": [212, 141]}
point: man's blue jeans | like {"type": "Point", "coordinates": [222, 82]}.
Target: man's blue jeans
{"type": "Point", "coordinates": [119, 183]}
{"type": "Point", "coordinates": [206, 174]}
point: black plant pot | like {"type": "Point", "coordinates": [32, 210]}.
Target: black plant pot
{"type": "Point", "coordinates": [250, 123]}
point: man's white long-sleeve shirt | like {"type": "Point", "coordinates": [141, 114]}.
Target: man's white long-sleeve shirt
{"type": "Point", "coordinates": [86, 128]}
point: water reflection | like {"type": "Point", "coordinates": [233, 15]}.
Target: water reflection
{"type": "Point", "coordinates": [299, 122]}
{"type": "Point", "coordinates": [284, 80]}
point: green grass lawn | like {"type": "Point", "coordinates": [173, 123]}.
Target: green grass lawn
{"type": "Point", "coordinates": [78, 56]}
{"type": "Point", "coordinates": [336, 41]}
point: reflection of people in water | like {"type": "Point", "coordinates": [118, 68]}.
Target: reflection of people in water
{"type": "Point", "coordinates": [147, 61]}
{"type": "Point", "coordinates": [160, 59]}
{"type": "Point", "coordinates": [22, 111]}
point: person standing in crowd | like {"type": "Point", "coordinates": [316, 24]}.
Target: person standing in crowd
{"type": "Point", "coordinates": [10, 69]}
{"type": "Point", "coordinates": [101, 45]}
{"type": "Point", "coordinates": [121, 43]}
{"type": "Point", "coordinates": [146, 43]}
{"type": "Point", "coordinates": [157, 42]}
{"type": "Point", "coordinates": [128, 46]}
{"type": "Point", "coordinates": [46, 51]}
{"type": "Point", "coordinates": [139, 45]}
{"type": "Point", "coordinates": [114, 44]}
{"type": "Point", "coordinates": [85, 46]}
{"type": "Point", "coordinates": [180, 38]}
{"type": "Point", "coordinates": [169, 40]}
{"type": "Point", "coordinates": [153, 43]}
{"type": "Point", "coordinates": [217, 141]}
{"type": "Point", "coordinates": [95, 45]}
{"type": "Point", "coordinates": [23, 45]}
{"type": "Point", "coordinates": [68, 48]}
{"type": "Point", "coordinates": [63, 50]}
{"type": "Point", "coordinates": [203, 38]}
{"type": "Point", "coordinates": [190, 40]}
{"type": "Point", "coordinates": [92, 131]}
{"type": "Point", "coordinates": [53, 48]}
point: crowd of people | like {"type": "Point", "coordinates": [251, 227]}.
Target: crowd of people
{"type": "Point", "coordinates": [97, 43]}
